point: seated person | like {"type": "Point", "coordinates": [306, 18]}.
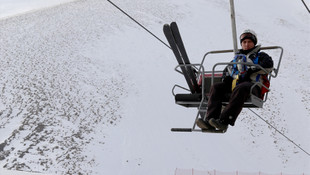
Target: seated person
{"type": "Point", "coordinates": [237, 80]}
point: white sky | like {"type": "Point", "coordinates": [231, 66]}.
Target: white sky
{"type": "Point", "coordinates": [14, 7]}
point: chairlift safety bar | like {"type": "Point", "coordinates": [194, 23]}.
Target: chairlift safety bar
{"type": "Point", "coordinates": [275, 70]}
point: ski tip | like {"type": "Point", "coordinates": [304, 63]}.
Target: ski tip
{"type": "Point", "coordinates": [166, 26]}
{"type": "Point", "coordinates": [173, 23]}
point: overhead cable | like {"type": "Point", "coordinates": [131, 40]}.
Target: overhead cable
{"type": "Point", "coordinates": [305, 5]}
{"type": "Point", "coordinates": [138, 23]}
{"type": "Point", "coordinates": [280, 132]}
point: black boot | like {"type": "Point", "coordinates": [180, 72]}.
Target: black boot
{"type": "Point", "coordinates": [204, 124]}
{"type": "Point", "coordinates": [218, 124]}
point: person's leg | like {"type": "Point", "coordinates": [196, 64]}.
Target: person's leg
{"type": "Point", "coordinates": [218, 94]}
{"type": "Point", "coordinates": [239, 95]}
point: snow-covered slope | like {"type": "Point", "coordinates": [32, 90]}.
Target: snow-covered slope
{"type": "Point", "coordinates": [85, 90]}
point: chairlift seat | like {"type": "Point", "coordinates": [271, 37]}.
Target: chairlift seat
{"type": "Point", "coordinates": [194, 100]}
{"type": "Point", "coordinates": [188, 100]}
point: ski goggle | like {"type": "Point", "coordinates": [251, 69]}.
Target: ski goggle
{"type": "Point", "coordinates": [247, 35]}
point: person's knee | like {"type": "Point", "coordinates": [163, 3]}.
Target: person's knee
{"type": "Point", "coordinates": [244, 86]}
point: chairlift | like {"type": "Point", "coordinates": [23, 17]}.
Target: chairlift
{"type": "Point", "coordinates": [199, 80]}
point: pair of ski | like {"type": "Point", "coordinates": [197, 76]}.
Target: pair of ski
{"type": "Point", "coordinates": [173, 36]}
{"type": "Point", "coordinates": [175, 41]}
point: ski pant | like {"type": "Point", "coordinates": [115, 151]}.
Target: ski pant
{"type": "Point", "coordinates": [221, 92]}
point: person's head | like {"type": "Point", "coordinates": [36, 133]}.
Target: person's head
{"type": "Point", "coordinates": [248, 39]}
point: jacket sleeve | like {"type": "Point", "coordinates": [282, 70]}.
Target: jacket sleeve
{"type": "Point", "coordinates": [265, 60]}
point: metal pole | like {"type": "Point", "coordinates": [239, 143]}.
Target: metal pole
{"type": "Point", "coordinates": [233, 25]}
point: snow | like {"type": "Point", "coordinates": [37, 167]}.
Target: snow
{"type": "Point", "coordinates": [86, 90]}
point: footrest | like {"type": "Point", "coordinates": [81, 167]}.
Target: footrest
{"type": "Point", "coordinates": [181, 129]}
{"type": "Point", "coordinates": [197, 130]}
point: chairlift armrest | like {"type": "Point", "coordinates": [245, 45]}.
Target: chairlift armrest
{"type": "Point", "coordinates": [201, 70]}
{"type": "Point", "coordinates": [192, 65]}
{"type": "Point", "coordinates": [264, 69]}
{"type": "Point", "coordinates": [181, 87]}
{"type": "Point", "coordinates": [257, 84]}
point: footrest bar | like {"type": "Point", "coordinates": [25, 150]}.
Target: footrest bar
{"type": "Point", "coordinates": [197, 130]}
{"type": "Point", "coordinates": [181, 129]}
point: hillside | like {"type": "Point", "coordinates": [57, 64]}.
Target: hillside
{"type": "Point", "coordinates": [86, 90]}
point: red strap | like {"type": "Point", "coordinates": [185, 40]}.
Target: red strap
{"type": "Point", "coordinates": [265, 83]}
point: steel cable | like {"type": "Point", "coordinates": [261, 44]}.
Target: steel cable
{"type": "Point", "coordinates": [280, 132]}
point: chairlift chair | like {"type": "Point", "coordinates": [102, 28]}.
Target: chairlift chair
{"type": "Point", "coordinates": [195, 74]}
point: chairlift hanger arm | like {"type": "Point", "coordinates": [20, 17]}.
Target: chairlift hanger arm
{"type": "Point", "coordinates": [257, 84]}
